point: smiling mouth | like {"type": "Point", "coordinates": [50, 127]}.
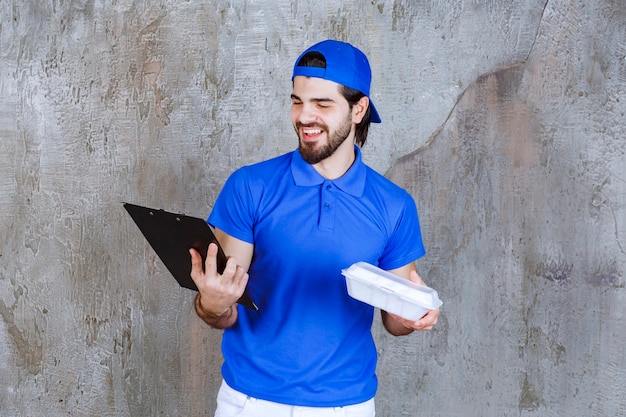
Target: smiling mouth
{"type": "Point", "coordinates": [310, 133]}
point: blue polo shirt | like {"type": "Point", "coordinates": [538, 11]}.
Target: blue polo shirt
{"type": "Point", "coordinates": [310, 343]}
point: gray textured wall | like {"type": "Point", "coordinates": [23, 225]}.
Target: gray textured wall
{"type": "Point", "coordinates": [504, 119]}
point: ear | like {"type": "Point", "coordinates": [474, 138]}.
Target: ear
{"type": "Point", "coordinates": [359, 109]}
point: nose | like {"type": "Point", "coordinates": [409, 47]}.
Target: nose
{"type": "Point", "coordinates": [305, 113]}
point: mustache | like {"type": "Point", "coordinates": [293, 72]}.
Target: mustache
{"type": "Point", "coordinates": [311, 125]}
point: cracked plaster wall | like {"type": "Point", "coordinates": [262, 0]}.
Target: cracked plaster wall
{"type": "Point", "coordinates": [505, 120]}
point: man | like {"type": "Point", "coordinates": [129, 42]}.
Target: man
{"type": "Point", "coordinates": [290, 225]}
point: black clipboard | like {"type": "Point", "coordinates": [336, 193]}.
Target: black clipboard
{"type": "Point", "coordinates": [171, 236]}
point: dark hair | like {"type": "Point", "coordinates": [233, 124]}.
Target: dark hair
{"type": "Point", "coordinates": [316, 59]}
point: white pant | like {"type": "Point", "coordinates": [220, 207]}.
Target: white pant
{"type": "Point", "coordinates": [231, 403]}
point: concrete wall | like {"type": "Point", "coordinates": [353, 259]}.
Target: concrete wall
{"type": "Point", "coordinates": [505, 120]}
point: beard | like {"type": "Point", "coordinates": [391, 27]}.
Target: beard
{"type": "Point", "coordinates": [311, 152]}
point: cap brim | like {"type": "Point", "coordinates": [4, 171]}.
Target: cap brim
{"type": "Point", "coordinates": [374, 116]}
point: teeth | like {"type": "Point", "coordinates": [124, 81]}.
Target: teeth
{"type": "Point", "coordinates": [312, 131]}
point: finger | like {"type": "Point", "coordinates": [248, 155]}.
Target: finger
{"type": "Point", "coordinates": [241, 278]}
{"type": "Point", "coordinates": [210, 263]}
{"type": "Point", "coordinates": [409, 324]}
{"type": "Point", "coordinates": [196, 262]}
{"type": "Point", "coordinates": [428, 321]}
{"type": "Point", "coordinates": [230, 269]}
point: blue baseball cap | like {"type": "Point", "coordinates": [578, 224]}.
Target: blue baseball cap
{"type": "Point", "coordinates": [345, 65]}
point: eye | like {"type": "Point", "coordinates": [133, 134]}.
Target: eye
{"type": "Point", "coordinates": [295, 99]}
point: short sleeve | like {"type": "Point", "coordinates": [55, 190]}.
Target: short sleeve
{"type": "Point", "coordinates": [405, 243]}
{"type": "Point", "coordinates": [233, 211]}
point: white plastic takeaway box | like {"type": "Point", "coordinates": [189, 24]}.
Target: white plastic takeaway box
{"type": "Point", "coordinates": [390, 292]}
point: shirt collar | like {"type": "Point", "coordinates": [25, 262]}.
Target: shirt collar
{"type": "Point", "coordinates": [352, 182]}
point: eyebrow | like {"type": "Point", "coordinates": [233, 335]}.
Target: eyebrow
{"type": "Point", "coordinates": [315, 100]}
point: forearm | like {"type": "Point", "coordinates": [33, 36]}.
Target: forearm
{"type": "Point", "coordinates": [222, 321]}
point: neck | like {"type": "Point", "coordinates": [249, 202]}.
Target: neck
{"type": "Point", "coordinates": [339, 162]}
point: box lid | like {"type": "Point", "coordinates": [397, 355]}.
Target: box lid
{"type": "Point", "coordinates": [386, 282]}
